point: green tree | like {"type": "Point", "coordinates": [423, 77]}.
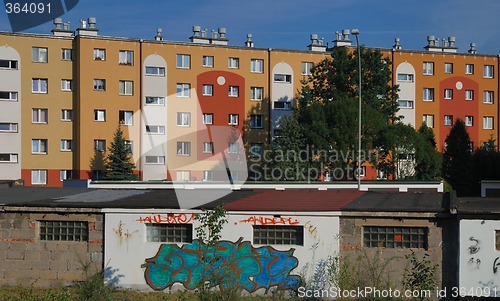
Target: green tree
{"type": "Point", "coordinates": [457, 160]}
{"type": "Point", "coordinates": [420, 276]}
{"type": "Point", "coordinates": [486, 164]}
{"type": "Point", "coordinates": [428, 158]}
{"type": "Point", "coordinates": [119, 163]}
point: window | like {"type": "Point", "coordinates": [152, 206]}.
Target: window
{"type": "Point", "coordinates": [183, 175]}
{"type": "Point", "coordinates": [488, 122]}
{"type": "Point", "coordinates": [39, 146]}
{"type": "Point", "coordinates": [428, 68]}
{"type": "Point", "coordinates": [429, 120]}
{"type": "Point", "coordinates": [208, 118]}
{"type": "Point", "coordinates": [306, 68]}
{"type": "Point", "coordinates": [183, 90]}
{"type": "Point", "coordinates": [184, 119]}
{"type": "Point", "coordinates": [9, 158]}
{"type": "Point", "coordinates": [208, 147]}
{"type": "Point", "coordinates": [448, 93]}
{"type": "Point", "coordinates": [126, 57]}
{"type": "Point", "coordinates": [8, 64]}
{"type": "Point", "coordinates": [208, 61]}
{"type": "Point", "coordinates": [448, 68]}
{"type": "Point", "coordinates": [39, 55]}
{"type": "Point", "coordinates": [256, 66]}
{"type": "Point", "coordinates": [154, 100]}
{"type": "Point", "coordinates": [66, 54]}
{"type": "Point", "coordinates": [64, 231]}
{"type": "Point", "coordinates": [183, 61]}
{"type": "Point", "coordinates": [99, 145]}
{"type": "Point", "coordinates": [65, 175]}
{"type": "Point", "coordinates": [233, 148]}
{"type": "Point", "coordinates": [405, 104]}
{"type": "Point", "coordinates": [469, 69]}
{"type": "Point", "coordinates": [232, 119]}
{"type": "Point", "coordinates": [66, 115]}
{"type": "Point", "coordinates": [395, 237]}
{"type": "Point", "coordinates": [66, 145]}
{"type": "Point", "coordinates": [428, 94]}
{"type": "Point", "coordinates": [448, 120]}
{"type": "Point", "coordinates": [183, 148]}
{"type": "Point", "coordinates": [207, 90]}
{"type": "Point", "coordinates": [283, 105]}
{"type": "Point", "coordinates": [172, 233]}
{"type": "Point", "coordinates": [99, 54]}
{"type": "Point", "coordinates": [278, 235]}
{"type": "Point", "coordinates": [99, 84]}
{"type": "Point", "coordinates": [11, 96]}
{"type": "Point", "coordinates": [256, 93]}
{"type": "Point", "coordinates": [39, 85]}
{"type": "Point", "coordinates": [99, 115]}
{"type": "Point", "coordinates": [234, 63]}
{"type": "Point", "coordinates": [488, 97]}
{"type": "Point", "coordinates": [129, 145]}
{"type": "Point", "coordinates": [158, 71]}
{"type": "Point", "coordinates": [126, 87]}
{"type": "Point", "coordinates": [282, 78]}
{"type": "Point", "coordinates": [404, 77]}
{"type": "Point", "coordinates": [208, 175]}
{"type": "Point", "coordinates": [126, 117]}
{"type": "Point", "coordinates": [66, 85]}
{"type": "Point", "coordinates": [40, 115]}
{"type": "Point", "coordinates": [256, 150]}
{"type": "Point", "coordinates": [233, 91]}
{"type": "Point", "coordinates": [155, 129]}
{"type": "Point", "coordinates": [469, 94]}
{"type": "Point", "coordinates": [469, 120]}
{"type": "Point", "coordinates": [155, 160]}
{"type": "Point", "coordinates": [497, 240]}
{"type": "Point", "coordinates": [488, 71]}
{"type": "Point", "coordinates": [256, 121]}
{"type": "Point", "coordinates": [8, 127]}
{"type": "Point", "coordinates": [38, 177]}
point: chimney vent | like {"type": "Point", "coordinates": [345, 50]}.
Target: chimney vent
{"type": "Point", "coordinates": [316, 45]}
{"type": "Point", "coordinates": [342, 40]}
{"type": "Point", "coordinates": [397, 44]}
{"type": "Point", "coordinates": [61, 31]}
{"type": "Point", "coordinates": [196, 31]}
{"type": "Point", "coordinates": [472, 49]}
{"type": "Point", "coordinates": [90, 30]}
{"type": "Point", "coordinates": [222, 32]}
{"type": "Point", "coordinates": [314, 39]}
{"type": "Point", "coordinates": [159, 36]}
{"type": "Point", "coordinates": [92, 22]}
{"type": "Point", "coordinates": [451, 41]}
{"type": "Point", "coordinates": [83, 24]}
{"type": "Point", "coordinates": [249, 42]}
{"type": "Point", "coordinates": [346, 33]}
{"type": "Point", "coordinates": [58, 22]}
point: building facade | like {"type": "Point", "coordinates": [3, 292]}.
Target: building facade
{"type": "Point", "coordinates": [189, 110]}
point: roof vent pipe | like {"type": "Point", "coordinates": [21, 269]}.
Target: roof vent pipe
{"type": "Point", "coordinates": [66, 25]}
{"type": "Point", "coordinates": [204, 33]}
{"type": "Point", "coordinates": [431, 40]}
{"type": "Point", "coordinates": [214, 34]}
{"type": "Point", "coordinates": [249, 42]}
{"type": "Point", "coordinates": [92, 22]}
{"type": "Point", "coordinates": [321, 41]}
{"type": "Point", "coordinates": [472, 49]}
{"type": "Point", "coordinates": [397, 44]}
{"type": "Point", "coordinates": [222, 32]}
{"type": "Point", "coordinates": [451, 41]}
{"type": "Point", "coordinates": [346, 33]}
{"type": "Point", "coordinates": [314, 39]}
{"type": "Point", "coordinates": [159, 36]}
{"type": "Point", "coordinates": [58, 22]}
{"type": "Point", "coordinates": [196, 30]}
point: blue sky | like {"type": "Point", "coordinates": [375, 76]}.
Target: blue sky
{"type": "Point", "coordinates": [288, 24]}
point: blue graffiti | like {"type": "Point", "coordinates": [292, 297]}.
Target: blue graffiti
{"type": "Point", "coordinates": [225, 264]}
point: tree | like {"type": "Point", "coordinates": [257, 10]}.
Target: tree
{"type": "Point", "coordinates": [457, 160]}
{"type": "Point", "coordinates": [428, 158]}
{"type": "Point", "coordinates": [486, 163]}
{"type": "Point", "coordinates": [119, 163]}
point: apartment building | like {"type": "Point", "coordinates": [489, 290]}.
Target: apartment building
{"type": "Point", "coordinates": [188, 109]}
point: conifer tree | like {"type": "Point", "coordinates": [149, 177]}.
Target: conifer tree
{"type": "Point", "coordinates": [119, 163]}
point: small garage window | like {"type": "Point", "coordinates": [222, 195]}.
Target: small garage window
{"type": "Point", "coordinates": [173, 233]}
{"type": "Point", "coordinates": [64, 231]}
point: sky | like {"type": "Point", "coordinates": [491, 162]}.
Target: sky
{"type": "Point", "coordinates": [288, 24]}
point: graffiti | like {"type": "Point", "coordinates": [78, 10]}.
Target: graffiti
{"type": "Point", "coordinates": [237, 263]}
{"type": "Point", "coordinates": [262, 220]}
{"type": "Point", "coordinates": [311, 229]}
{"type": "Point", "coordinates": [496, 263]}
{"type": "Point", "coordinates": [474, 264]}
{"type": "Point", "coordinates": [474, 248]}
{"type": "Point", "coordinates": [170, 218]}
{"type": "Point", "coordinates": [121, 233]}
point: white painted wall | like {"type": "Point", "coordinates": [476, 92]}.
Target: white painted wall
{"type": "Point", "coordinates": [479, 260]}
{"type": "Point", "coordinates": [126, 247]}
{"type": "Point", "coordinates": [154, 145]}
{"type": "Point", "coordinates": [10, 112]}
{"type": "Point", "coordinates": [407, 92]}
{"type": "Point", "coordinates": [281, 92]}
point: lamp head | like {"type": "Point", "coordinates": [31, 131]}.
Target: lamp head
{"type": "Point", "coordinates": [355, 31]}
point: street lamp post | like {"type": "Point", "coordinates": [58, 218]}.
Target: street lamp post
{"type": "Point", "coordinates": [355, 32]}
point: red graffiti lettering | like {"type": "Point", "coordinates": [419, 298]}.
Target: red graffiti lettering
{"type": "Point", "coordinates": [170, 218]}
{"type": "Point", "coordinates": [261, 220]}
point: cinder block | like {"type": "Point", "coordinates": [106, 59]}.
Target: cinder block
{"type": "Point", "coordinates": [32, 255]}
{"type": "Point", "coordinates": [74, 275]}
{"type": "Point", "coordinates": [95, 248]}
{"type": "Point", "coordinates": [21, 223]}
{"type": "Point", "coordinates": [62, 246]}
{"type": "Point", "coordinates": [48, 275]}
{"type": "Point", "coordinates": [4, 245]}
{"type": "Point", "coordinates": [41, 265]}
{"type": "Point", "coordinates": [57, 256]}
{"type": "Point", "coordinates": [35, 246]}
{"type": "Point", "coordinates": [58, 266]}
{"type": "Point", "coordinates": [14, 255]}
{"type": "Point", "coordinates": [51, 245]}
{"type": "Point", "coordinates": [18, 246]}
{"type": "Point", "coordinates": [99, 226]}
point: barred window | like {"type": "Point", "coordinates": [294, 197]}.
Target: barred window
{"type": "Point", "coordinates": [174, 233]}
{"type": "Point", "coordinates": [497, 240]}
{"type": "Point", "coordinates": [395, 237]}
{"type": "Point", "coordinates": [278, 235]}
{"type": "Point", "coordinates": [64, 231]}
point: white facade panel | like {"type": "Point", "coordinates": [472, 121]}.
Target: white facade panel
{"type": "Point", "coordinates": [407, 87]}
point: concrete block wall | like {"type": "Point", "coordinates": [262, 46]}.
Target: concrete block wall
{"type": "Point", "coordinates": [28, 261]}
